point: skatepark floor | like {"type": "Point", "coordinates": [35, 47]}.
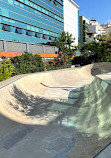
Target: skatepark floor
{"type": "Point", "coordinates": [57, 114]}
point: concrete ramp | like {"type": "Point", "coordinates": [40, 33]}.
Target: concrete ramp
{"type": "Point", "coordinates": [27, 100]}
{"type": "Point", "coordinates": [57, 114]}
{"type": "Point", "coordinates": [92, 108]}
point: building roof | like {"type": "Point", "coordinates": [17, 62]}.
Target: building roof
{"type": "Point", "coordinates": [74, 3]}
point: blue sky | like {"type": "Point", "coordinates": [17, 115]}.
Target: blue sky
{"type": "Point", "coordinates": [99, 9]}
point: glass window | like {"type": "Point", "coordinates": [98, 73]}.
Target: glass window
{"type": "Point", "coordinates": [45, 37]}
{"type": "Point", "coordinates": [35, 34]}
{"type": "Point", "coordinates": [28, 27]}
{"type": "Point", "coordinates": [44, 31]}
{"type": "Point", "coordinates": [5, 19]}
{"type": "Point", "coordinates": [29, 33]}
{"type": "Point", "coordinates": [39, 8]}
{"type": "Point", "coordinates": [27, 2]}
{"type": "Point", "coordinates": [31, 4]}
{"type": "Point", "coordinates": [10, 1]}
{"type": "Point", "coordinates": [52, 38]}
{"type": "Point", "coordinates": [18, 30]}
{"type": "Point", "coordinates": [43, 10]}
{"type": "Point", "coordinates": [21, 5]}
{"type": "Point", "coordinates": [5, 12]}
{"type": "Point", "coordinates": [35, 6]}
{"type": "Point", "coordinates": [46, 12]}
{"type": "Point", "coordinates": [39, 35]}
{"type": "Point", "coordinates": [32, 28]}
{"type": "Point", "coordinates": [37, 29]}
{"type": "Point", "coordinates": [6, 28]}
{"type": "Point", "coordinates": [84, 39]}
{"type": "Point", "coordinates": [16, 3]}
{"type": "Point", "coordinates": [48, 33]}
{"type": "Point", "coordinates": [37, 12]}
{"type": "Point", "coordinates": [12, 21]}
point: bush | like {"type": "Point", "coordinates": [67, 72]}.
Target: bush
{"type": "Point", "coordinates": [28, 63]}
{"type": "Point", "coordinates": [50, 65]}
{"type": "Point", "coordinates": [81, 60]}
{"type": "Point", "coordinates": [6, 69]}
{"type": "Point", "coordinates": [60, 64]}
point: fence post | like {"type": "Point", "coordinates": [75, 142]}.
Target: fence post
{"type": "Point", "coordinates": [43, 49]}
{"type": "Point", "coordinates": [55, 49]}
{"type": "Point", "coordinates": [4, 46]}
{"type": "Point", "coordinates": [27, 47]}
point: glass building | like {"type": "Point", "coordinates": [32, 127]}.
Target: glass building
{"type": "Point", "coordinates": [31, 21]}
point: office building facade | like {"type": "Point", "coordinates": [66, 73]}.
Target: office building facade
{"type": "Point", "coordinates": [31, 21]}
{"type": "Point", "coordinates": [25, 25]}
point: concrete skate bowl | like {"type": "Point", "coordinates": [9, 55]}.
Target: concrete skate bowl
{"type": "Point", "coordinates": [101, 68]}
{"type": "Point", "coordinates": [92, 108]}
{"type": "Point", "coordinates": [71, 96]}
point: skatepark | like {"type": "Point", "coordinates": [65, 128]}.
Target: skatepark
{"type": "Point", "coordinates": [57, 114]}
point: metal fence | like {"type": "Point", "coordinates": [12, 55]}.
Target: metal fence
{"type": "Point", "coordinates": [13, 46]}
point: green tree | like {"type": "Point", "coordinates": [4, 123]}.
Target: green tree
{"type": "Point", "coordinates": [97, 51]}
{"type": "Point", "coordinates": [6, 69]}
{"type": "Point", "coordinates": [105, 37]}
{"type": "Point", "coordinates": [65, 43]}
{"type": "Point", "coordinates": [28, 63]}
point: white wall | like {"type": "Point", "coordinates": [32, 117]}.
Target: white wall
{"type": "Point", "coordinates": [71, 19]}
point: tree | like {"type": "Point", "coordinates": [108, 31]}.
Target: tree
{"type": "Point", "coordinates": [97, 51]}
{"type": "Point", "coordinates": [65, 43]}
{"type": "Point", "coordinates": [105, 37]}
{"type": "Point", "coordinates": [28, 63]}
{"type": "Point", "coordinates": [6, 69]}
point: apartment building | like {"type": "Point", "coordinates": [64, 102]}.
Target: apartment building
{"type": "Point", "coordinates": [94, 29]}
{"type": "Point", "coordinates": [89, 29]}
{"type": "Point", "coordinates": [83, 27]}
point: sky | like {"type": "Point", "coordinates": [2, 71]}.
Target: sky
{"type": "Point", "coordinates": [98, 9]}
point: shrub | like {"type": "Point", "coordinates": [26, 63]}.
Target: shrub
{"type": "Point", "coordinates": [6, 69]}
{"type": "Point", "coordinates": [60, 64]}
{"type": "Point", "coordinates": [81, 60]}
{"type": "Point", "coordinates": [28, 63]}
{"type": "Point", "coordinates": [50, 65]}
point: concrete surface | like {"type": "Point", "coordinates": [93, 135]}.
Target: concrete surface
{"type": "Point", "coordinates": [56, 114]}
{"type": "Point", "coordinates": [104, 153]}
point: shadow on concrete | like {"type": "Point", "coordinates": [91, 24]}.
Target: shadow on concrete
{"type": "Point", "coordinates": [87, 111]}
{"type": "Point", "coordinates": [87, 108]}
{"type": "Point", "coordinates": [37, 107]}
{"type": "Point", "coordinates": [32, 105]}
